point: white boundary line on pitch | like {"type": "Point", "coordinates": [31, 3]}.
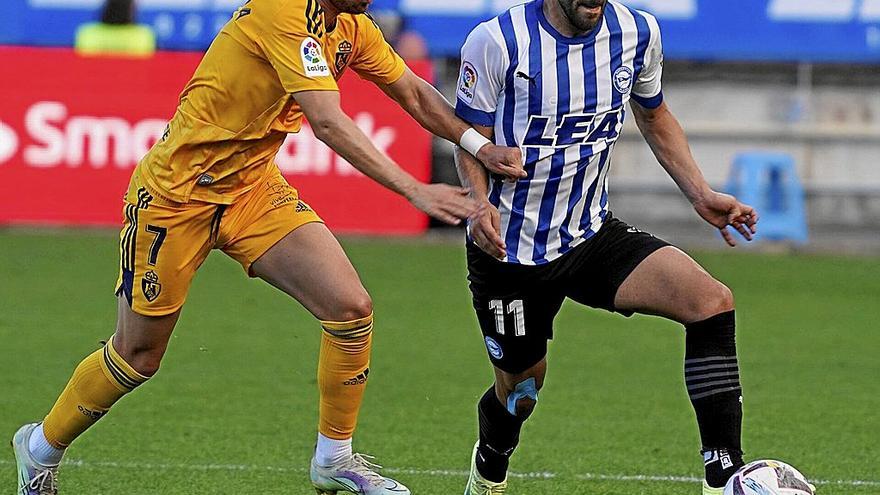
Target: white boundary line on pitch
{"type": "Point", "coordinates": [446, 473]}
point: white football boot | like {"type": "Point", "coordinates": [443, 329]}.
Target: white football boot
{"type": "Point", "coordinates": [477, 485]}
{"type": "Point", "coordinates": [33, 479]}
{"type": "Point", "coordinates": [355, 475]}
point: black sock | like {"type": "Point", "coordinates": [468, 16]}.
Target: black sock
{"type": "Point", "coordinates": [712, 378]}
{"type": "Point", "coordinates": [499, 435]}
{"type": "Point", "coordinates": [720, 465]}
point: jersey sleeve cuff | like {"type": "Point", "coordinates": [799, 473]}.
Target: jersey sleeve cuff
{"type": "Point", "coordinates": [388, 78]}
{"type": "Point", "coordinates": [310, 85]}
{"type": "Point", "coordinates": [397, 73]}
{"type": "Point", "coordinates": [651, 103]}
{"type": "Point", "coordinates": [473, 116]}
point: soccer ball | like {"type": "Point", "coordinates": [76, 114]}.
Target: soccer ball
{"type": "Point", "coordinates": [768, 478]}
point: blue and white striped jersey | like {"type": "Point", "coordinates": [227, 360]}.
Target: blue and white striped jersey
{"type": "Point", "coordinates": [562, 101]}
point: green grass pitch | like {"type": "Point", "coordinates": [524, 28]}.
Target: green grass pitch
{"type": "Point", "coordinates": [233, 411]}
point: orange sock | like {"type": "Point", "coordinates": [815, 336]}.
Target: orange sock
{"type": "Point", "coordinates": [343, 367]}
{"type": "Point", "coordinates": [98, 382]}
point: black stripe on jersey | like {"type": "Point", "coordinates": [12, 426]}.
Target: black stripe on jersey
{"type": "Point", "coordinates": [310, 23]}
{"type": "Point", "coordinates": [314, 20]}
{"type": "Point", "coordinates": [144, 198]}
{"type": "Point", "coordinates": [370, 17]}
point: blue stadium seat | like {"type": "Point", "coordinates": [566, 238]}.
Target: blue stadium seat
{"type": "Point", "coordinates": [770, 183]}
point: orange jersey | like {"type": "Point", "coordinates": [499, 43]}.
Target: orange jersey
{"type": "Point", "coordinates": [234, 114]}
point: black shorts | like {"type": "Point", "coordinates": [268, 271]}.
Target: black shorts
{"type": "Point", "coordinates": [516, 304]}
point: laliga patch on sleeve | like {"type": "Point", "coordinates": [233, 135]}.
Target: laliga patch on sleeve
{"type": "Point", "coordinates": [313, 58]}
{"type": "Point", "coordinates": [467, 83]}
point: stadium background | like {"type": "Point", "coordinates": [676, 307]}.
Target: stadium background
{"type": "Point", "coordinates": [795, 76]}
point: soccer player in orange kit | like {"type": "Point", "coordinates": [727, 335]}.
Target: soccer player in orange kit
{"type": "Point", "coordinates": [210, 183]}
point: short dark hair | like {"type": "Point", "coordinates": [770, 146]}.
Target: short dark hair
{"type": "Point", "coordinates": [118, 12]}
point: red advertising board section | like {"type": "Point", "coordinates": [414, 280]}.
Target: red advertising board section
{"type": "Point", "coordinates": [73, 128]}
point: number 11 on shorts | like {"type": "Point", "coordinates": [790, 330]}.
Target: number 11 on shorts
{"type": "Point", "coordinates": [515, 307]}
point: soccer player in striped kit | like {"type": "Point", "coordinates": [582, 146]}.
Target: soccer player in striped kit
{"type": "Point", "coordinates": [553, 77]}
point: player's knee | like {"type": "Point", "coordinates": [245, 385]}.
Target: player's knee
{"type": "Point", "coordinates": [146, 364]}
{"type": "Point", "coordinates": [719, 301]}
{"type": "Point", "coordinates": [524, 408]}
{"type": "Point", "coordinates": [715, 300]}
{"type": "Point", "coordinates": [725, 298]}
{"type": "Point", "coordinates": [522, 397]}
{"type": "Point", "coordinates": [355, 308]}
{"type": "Point", "coordinates": [144, 359]}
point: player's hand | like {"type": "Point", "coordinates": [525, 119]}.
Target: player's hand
{"type": "Point", "coordinates": [502, 160]}
{"type": "Point", "coordinates": [485, 230]}
{"type": "Point", "coordinates": [723, 210]}
{"type": "Point", "coordinates": [444, 202]}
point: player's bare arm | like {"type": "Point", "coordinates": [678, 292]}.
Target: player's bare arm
{"type": "Point", "coordinates": [331, 125]}
{"type": "Point", "coordinates": [433, 112]}
{"type": "Point", "coordinates": [669, 143]}
{"type": "Point", "coordinates": [485, 224]}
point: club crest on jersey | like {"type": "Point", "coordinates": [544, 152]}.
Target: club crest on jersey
{"type": "Point", "coordinates": [494, 348]}
{"type": "Point", "coordinates": [467, 83]}
{"type": "Point", "coordinates": [343, 53]}
{"type": "Point", "coordinates": [151, 286]}
{"type": "Point", "coordinates": [313, 58]}
{"type": "Point", "coordinates": [623, 79]}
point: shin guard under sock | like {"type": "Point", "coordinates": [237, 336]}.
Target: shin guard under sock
{"type": "Point", "coordinates": [98, 382]}
{"type": "Point", "coordinates": [712, 380]}
{"type": "Point", "coordinates": [499, 436]}
{"type": "Point", "coordinates": [343, 368]}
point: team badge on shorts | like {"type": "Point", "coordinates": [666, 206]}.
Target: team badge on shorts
{"type": "Point", "coordinates": [151, 286]}
{"type": "Point", "coordinates": [494, 348]}
{"type": "Point", "coordinates": [467, 83]}
{"type": "Point", "coordinates": [623, 79]}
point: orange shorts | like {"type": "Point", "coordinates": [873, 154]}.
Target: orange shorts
{"type": "Point", "coordinates": [163, 243]}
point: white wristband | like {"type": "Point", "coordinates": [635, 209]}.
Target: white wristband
{"type": "Point", "coordinates": [472, 141]}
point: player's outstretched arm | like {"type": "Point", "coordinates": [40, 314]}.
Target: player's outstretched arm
{"type": "Point", "coordinates": [433, 112]}
{"type": "Point", "coordinates": [669, 143]}
{"type": "Point", "coordinates": [332, 126]}
{"type": "Point", "coordinates": [485, 224]}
